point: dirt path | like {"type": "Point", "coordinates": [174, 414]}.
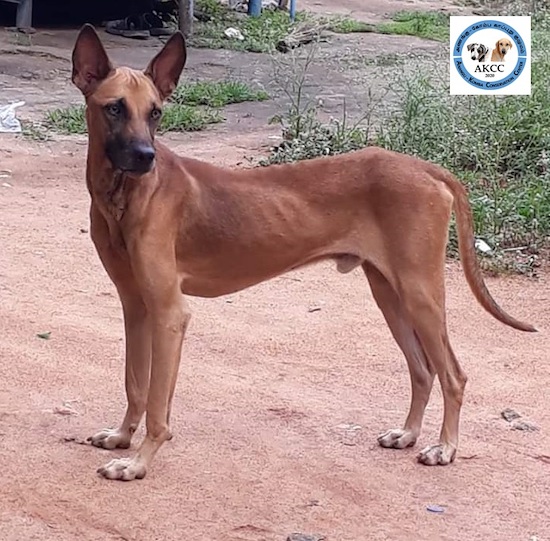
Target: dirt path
{"type": "Point", "coordinates": [376, 10]}
{"type": "Point", "coordinates": [267, 386]}
{"type": "Point", "coordinates": [264, 387]}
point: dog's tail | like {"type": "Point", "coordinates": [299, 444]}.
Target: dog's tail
{"type": "Point", "coordinates": [468, 256]}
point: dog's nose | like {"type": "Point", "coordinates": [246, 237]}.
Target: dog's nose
{"type": "Point", "coordinates": [144, 155]}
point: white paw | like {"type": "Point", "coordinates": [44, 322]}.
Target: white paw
{"type": "Point", "coordinates": [397, 438]}
{"type": "Point", "coordinates": [111, 439]}
{"type": "Point", "coordinates": [123, 469]}
{"type": "Point", "coordinates": [434, 455]}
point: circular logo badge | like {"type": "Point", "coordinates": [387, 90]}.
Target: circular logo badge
{"type": "Point", "coordinates": [489, 55]}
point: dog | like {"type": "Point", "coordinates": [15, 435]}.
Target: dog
{"type": "Point", "coordinates": [165, 226]}
{"type": "Point", "coordinates": [502, 47]}
{"type": "Point", "coordinates": [478, 51]}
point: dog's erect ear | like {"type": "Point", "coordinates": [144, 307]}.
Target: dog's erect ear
{"type": "Point", "coordinates": [165, 69]}
{"type": "Point", "coordinates": [90, 61]}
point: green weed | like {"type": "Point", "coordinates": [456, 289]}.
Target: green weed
{"type": "Point", "coordinates": [187, 118]}
{"type": "Point", "coordinates": [346, 25]}
{"type": "Point", "coordinates": [261, 34]}
{"type": "Point", "coordinates": [216, 94]}
{"type": "Point", "coordinates": [429, 25]}
{"type": "Point", "coordinates": [67, 120]}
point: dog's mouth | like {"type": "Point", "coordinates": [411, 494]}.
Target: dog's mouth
{"type": "Point", "coordinates": [503, 51]}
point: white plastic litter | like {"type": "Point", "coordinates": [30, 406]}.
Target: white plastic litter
{"type": "Point", "coordinates": [482, 246]}
{"type": "Point", "coordinates": [8, 120]}
{"type": "Point", "coordinates": [233, 33]}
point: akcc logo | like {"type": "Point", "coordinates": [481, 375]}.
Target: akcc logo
{"type": "Point", "coordinates": [490, 55]}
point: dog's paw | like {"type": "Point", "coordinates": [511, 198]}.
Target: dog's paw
{"type": "Point", "coordinates": [437, 455]}
{"type": "Point", "coordinates": [397, 438]}
{"type": "Point", "coordinates": [111, 439]}
{"type": "Point", "coordinates": [123, 469]}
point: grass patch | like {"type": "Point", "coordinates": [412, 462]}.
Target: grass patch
{"type": "Point", "coordinates": [261, 34]}
{"type": "Point", "coordinates": [67, 120]}
{"type": "Point", "coordinates": [304, 136]}
{"type": "Point", "coordinates": [346, 25]}
{"type": "Point", "coordinates": [429, 25]}
{"type": "Point", "coordinates": [216, 94]}
{"type": "Point", "coordinates": [187, 118]}
{"type": "Point", "coordinates": [35, 131]}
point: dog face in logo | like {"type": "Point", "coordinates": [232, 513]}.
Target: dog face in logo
{"type": "Point", "coordinates": [478, 52]}
{"type": "Point", "coordinates": [502, 47]}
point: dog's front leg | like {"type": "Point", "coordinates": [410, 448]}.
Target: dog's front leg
{"type": "Point", "coordinates": [138, 365]}
{"type": "Point", "coordinates": [169, 317]}
{"type": "Point", "coordinates": [137, 331]}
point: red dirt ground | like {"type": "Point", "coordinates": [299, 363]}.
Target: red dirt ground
{"type": "Point", "coordinates": [265, 391]}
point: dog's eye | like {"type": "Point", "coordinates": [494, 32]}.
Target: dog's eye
{"type": "Point", "coordinates": [113, 109]}
{"type": "Point", "coordinates": [155, 114]}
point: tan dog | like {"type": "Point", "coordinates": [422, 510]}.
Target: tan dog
{"type": "Point", "coordinates": [502, 47]}
{"type": "Point", "coordinates": [165, 225]}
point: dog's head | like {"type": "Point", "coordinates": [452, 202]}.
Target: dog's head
{"type": "Point", "coordinates": [124, 106]}
{"type": "Point", "coordinates": [503, 46]}
{"type": "Point", "coordinates": [477, 51]}
{"type": "Point", "coordinates": [473, 50]}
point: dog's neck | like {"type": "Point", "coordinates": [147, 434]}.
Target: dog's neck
{"type": "Point", "coordinates": [109, 188]}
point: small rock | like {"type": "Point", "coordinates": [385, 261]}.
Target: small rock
{"type": "Point", "coordinates": [233, 33]}
{"type": "Point", "coordinates": [509, 414]}
{"type": "Point", "coordinates": [314, 309]}
{"type": "Point", "coordinates": [305, 537]}
{"type": "Point", "coordinates": [526, 426]}
{"type": "Point", "coordinates": [72, 439]}
{"type": "Point", "coordinates": [349, 439]}
{"type": "Point", "coordinates": [64, 410]}
{"type": "Point", "coordinates": [82, 230]}
{"type": "Point", "coordinates": [482, 246]}
{"type": "Point", "coordinates": [435, 509]}
{"type": "Point", "coordinates": [350, 434]}
{"type": "Point", "coordinates": [349, 426]}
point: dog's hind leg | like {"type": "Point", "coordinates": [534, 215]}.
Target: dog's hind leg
{"type": "Point", "coordinates": [421, 373]}
{"type": "Point", "coordinates": [423, 300]}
